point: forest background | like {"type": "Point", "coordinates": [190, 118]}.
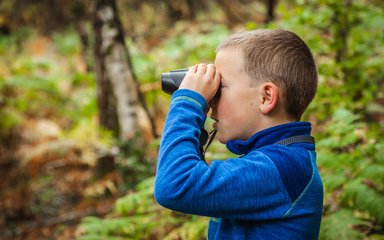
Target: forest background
{"type": "Point", "coordinates": [73, 164]}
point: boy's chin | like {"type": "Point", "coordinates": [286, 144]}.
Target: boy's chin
{"type": "Point", "coordinates": [221, 139]}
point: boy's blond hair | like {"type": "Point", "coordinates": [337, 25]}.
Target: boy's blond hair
{"type": "Point", "coordinates": [280, 57]}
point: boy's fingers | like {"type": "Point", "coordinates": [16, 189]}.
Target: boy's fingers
{"type": "Point", "coordinates": [217, 77]}
{"type": "Point", "coordinates": [201, 69]}
{"type": "Point", "coordinates": [192, 69]}
{"type": "Point", "coordinates": [210, 71]}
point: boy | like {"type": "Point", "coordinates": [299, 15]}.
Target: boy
{"type": "Point", "coordinates": [273, 190]}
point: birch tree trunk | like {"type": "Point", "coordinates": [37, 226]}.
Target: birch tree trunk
{"type": "Point", "coordinates": [115, 82]}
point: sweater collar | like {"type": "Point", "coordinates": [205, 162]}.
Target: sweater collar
{"type": "Point", "coordinates": [269, 136]}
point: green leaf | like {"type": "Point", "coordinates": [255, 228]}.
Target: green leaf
{"type": "Point", "coordinates": [339, 226]}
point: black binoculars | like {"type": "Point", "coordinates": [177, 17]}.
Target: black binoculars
{"type": "Point", "coordinates": [170, 81]}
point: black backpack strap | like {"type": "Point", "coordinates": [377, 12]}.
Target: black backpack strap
{"type": "Point", "coordinates": [297, 139]}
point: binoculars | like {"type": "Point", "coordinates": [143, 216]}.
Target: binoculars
{"type": "Point", "coordinates": [170, 81]}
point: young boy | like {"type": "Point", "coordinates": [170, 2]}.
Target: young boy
{"type": "Point", "coordinates": [273, 189]}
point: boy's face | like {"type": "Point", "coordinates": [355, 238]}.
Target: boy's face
{"type": "Point", "coordinates": [236, 111]}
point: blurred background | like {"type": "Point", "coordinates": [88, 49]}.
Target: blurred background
{"type": "Point", "coordinates": [81, 110]}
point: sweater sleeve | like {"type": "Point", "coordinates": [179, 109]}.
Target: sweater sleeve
{"type": "Point", "coordinates": [248, 188]}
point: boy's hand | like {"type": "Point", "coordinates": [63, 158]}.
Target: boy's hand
{"type": "Point", "coordinates": [202, 78]}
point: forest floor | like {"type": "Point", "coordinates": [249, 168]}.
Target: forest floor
{"type": "Point", "coordinates": [47, 187]}
{"type": "Point", "coordinates": [49, 182]}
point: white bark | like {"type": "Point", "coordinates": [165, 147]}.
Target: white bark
{"type": "Point", "coordinates": [120, 75]}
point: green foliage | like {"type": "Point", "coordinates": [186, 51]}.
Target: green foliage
{"type": "Point", "coordinates": [195, 228]}
{"type": "Point", "coordinates": [349, 149]}
{"type": "Point", "coordinates": [140, 202]}
{"type": "Point", "coordinates": [133, 162]}
{"type": "Point", "coordinates": [347, 43]}
{"type": "Point", "coordinates": [10, 119]}
{"type": "Point", "coordinates": [24, 92]}
{"type": "Point", "coordinates": [67, 43]}
{"type": "Point", "coordinates": [12, 44]}
{"type": "Point", "coordinates": [360, 195]}
{"type": "Point", "coordinates": [40, 87]}
{"type": "Point", "coordinates": [340, 226]}
{"type": "Point", "coordinates": [137, 216]}
{"type": "Point", "coordinates": [181, 50]}
{"type": "Point", "coordinates": [32, 87]}
{"type": "Point", "coordinates": [187, 49]}
{"type": "Point", "coordinates": [352, 168]}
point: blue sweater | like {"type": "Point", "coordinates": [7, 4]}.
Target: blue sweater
{"type": "Point", "coordinates": [270, 192]}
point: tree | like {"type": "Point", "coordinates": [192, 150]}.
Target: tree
{"type": "Point", "coordinates": [270, 13]}
{"type": "Point", "coordinates": [117, 93]}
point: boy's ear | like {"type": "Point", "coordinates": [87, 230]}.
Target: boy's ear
{"type": "Point", "coordinates": [269, 97]}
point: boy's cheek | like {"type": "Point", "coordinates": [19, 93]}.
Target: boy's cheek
{"type": "Point", "coordinates": [224, 110]}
